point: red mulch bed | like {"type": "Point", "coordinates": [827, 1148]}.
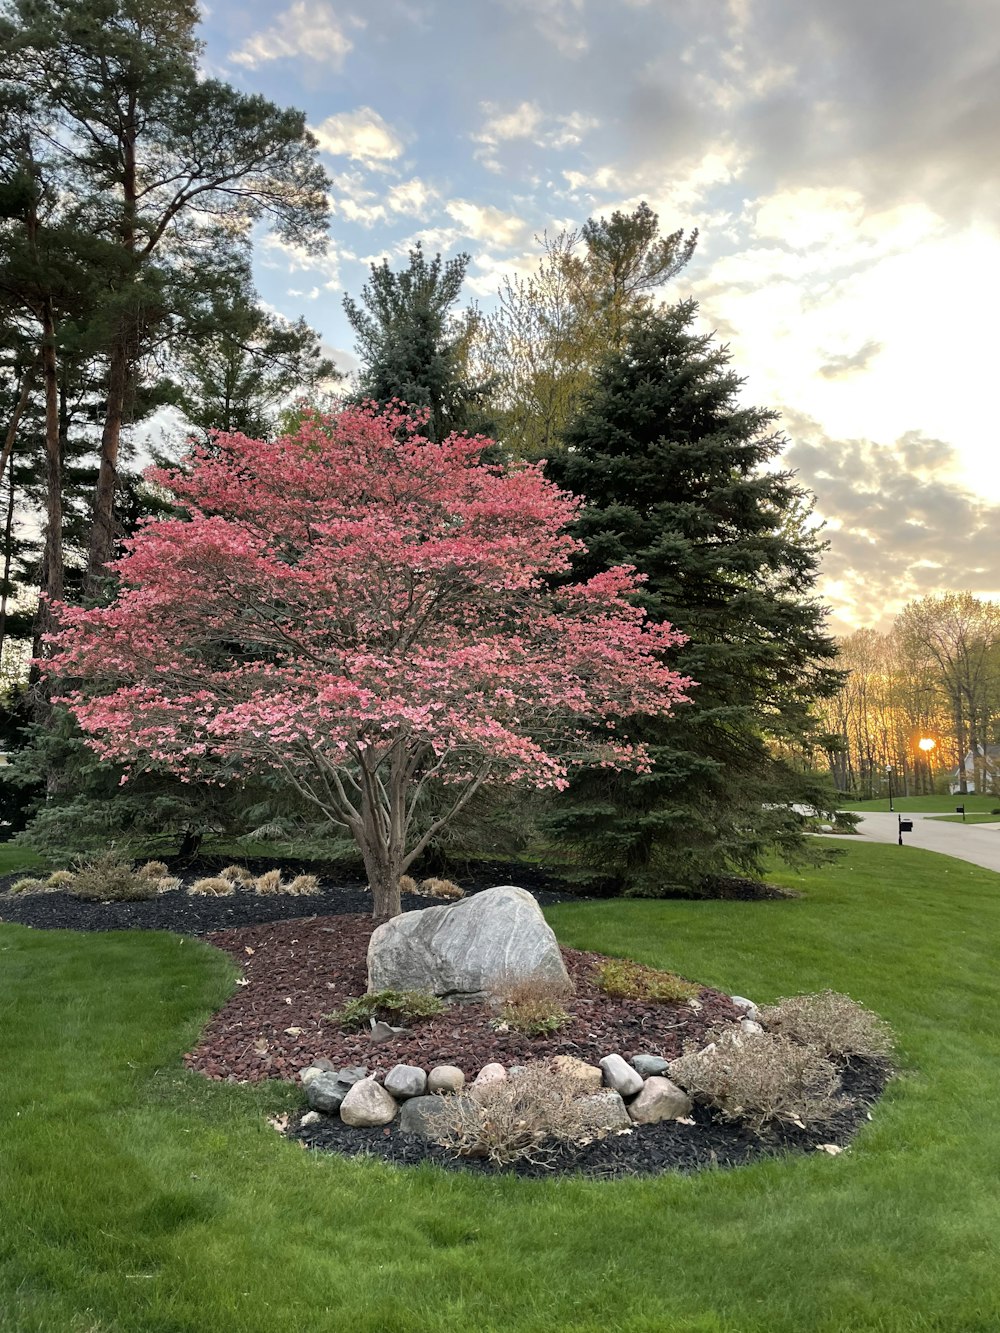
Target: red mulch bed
{"type": "Point", "coordinates": [300, 970]}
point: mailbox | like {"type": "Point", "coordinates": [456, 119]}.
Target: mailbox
{"type": "Point", "coordinates": [906, 826]}
{"type": "Point", "coordinates": [959, 809]}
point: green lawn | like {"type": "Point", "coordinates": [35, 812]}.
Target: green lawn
{"type": "Point", "coordinates": [135, 1198]}
{"type": "Point", "coordinates": [977, 817]}
{"type": "Point", "coordinates": [17, 858]}
{"type": "Point", "coordinates": [926, 804]}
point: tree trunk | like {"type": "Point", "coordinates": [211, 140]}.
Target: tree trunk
{"type": "Point", "coordinates": [53, 585]}
{"type": "Point", "coordinates": [384, 871]}
{"type": "Point", "coordinates": [8, 552]}
{"type": "Point", "coordinates": [102, 533]}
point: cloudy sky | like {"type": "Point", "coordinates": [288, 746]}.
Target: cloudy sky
{"type": "Point", "coordinates": [840, 160]}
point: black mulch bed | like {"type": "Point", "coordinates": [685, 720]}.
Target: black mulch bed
{"type": "Point", "coordinates": [191, 914]}
{"type": "Point", "coordinates": [646, 1150]}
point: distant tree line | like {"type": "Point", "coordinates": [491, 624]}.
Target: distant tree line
{"type": "Point", "coordinates": [933, 676]}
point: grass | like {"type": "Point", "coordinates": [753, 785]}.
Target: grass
{"type": "Point", "coordinates": [13, 859]}
{"type": "Point", "coordinates": [136, 1198]}
{"type": "Point", "coordinates": [925, 804]}
{"type": "Point", "coordinates": [976, 818]}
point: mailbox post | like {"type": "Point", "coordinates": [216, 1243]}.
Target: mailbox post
{"type": "Point", "coordinates": [960, 810]}
{"type": "Point", "coordinates": [905, 826]}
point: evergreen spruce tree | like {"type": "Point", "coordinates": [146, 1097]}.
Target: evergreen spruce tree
{"type": "Point", "coordinates": [679, 481]}
{"type": "Point", "coordinates": [413, 348]}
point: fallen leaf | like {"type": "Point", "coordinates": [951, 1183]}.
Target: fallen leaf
{"type": "Point", "coordinates": [832, 1148]}
{"type": "Point", "coordinates": [243, 981]}
{"type": "Point", "coordinates": [293, 1032]}
{"type": "Point", "coordinates": [247, 949]}
{"type": "Point", "coordinates": [278, 1122]}
{"type": "Point", "coordinates": [684, 1120]}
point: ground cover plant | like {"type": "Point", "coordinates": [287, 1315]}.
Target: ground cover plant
{"type": "Point", "coordinates": [137, 1195]}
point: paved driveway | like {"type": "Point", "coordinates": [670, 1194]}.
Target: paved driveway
{"type": "Point", "coordinates": [978, 843]}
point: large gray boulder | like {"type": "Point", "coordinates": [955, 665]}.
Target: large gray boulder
{"type": "Point", "coordinates": [467, 950]}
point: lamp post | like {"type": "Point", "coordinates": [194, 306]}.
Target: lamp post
{"type": "Point", "coordinates": [888, 773]}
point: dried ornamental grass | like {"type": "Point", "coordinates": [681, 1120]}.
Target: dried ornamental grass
{"type": "Point", "coordinates": [831, 1021]}
{"type": "Point", "coordinates": [239, 875]}
{"type": "Point", "coordinates": [303, 886]}
{"type": "Point", "coordinates": [212, 886]}
{"type": "Point", "coordinates": [168, 883]}
{"type": "Point", "coordinates": [407, 884]}
{"type": "Point", "coordinates": [154, 870]}
{"type": "Point", "coordinates": [440, 888]}
{"type": "Point", "coordinates": [28, 885]}
{"type": "Point", "coordinates": [761, 1078]}
{"type": "Point", "coordinates": [526, 1115]}
{"type": "Point", "coordinates": [534, 1005]}
{"type": "Point", "coordinates": [60, 879]}
{"type": "Point", "coordinates": [270, 882]}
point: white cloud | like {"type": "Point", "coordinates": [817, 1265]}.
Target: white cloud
{"type": "Point", "coordinates": [528, 121]}
{"type": "Point", "coordinates": [361, 135]}
{"type": "Point", "coordinates": [308, 29]}
{"type": "Point", "coordinates": [412, 198]}
{"type": "Point", "coordinates": [560, 22]}
{"type": "Point", "coordinates": [483, 222]}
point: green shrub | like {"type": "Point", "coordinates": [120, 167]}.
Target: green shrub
{"type": "Point", "coordinates": [634, 981]}
{"type": "Point", "coordinates": [834, 1023]}
{"type": "Point", "coordinates": [28, 885]}
{"type": "Point", "coordinates": [110, 878]}
{"type": "Point", "coordinates": [762, 1079]}
{"type": "Point", "coordinates": [389, 1005]}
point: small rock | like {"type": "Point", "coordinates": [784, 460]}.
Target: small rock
{"type": "Point", "coordinates": [405, 1081]}
{"type": "Point", "coordinates": [311, 1072]}
{"type": "Point", "coordinates": [621, 1076]}
{"type": "Point", "coordinates": [367, 1104]}
{"type": "Point", "coordinates": [425, 1117]}
{"type": "Point", "coordinates": [659, 1100]}
{"type": "Point", "coordinates": [751, 1028]}
{"type": "Point", "coordinates": [321, 1062]}
{"type": "Point", "coordinates": [352, 1074]}
{"type": "Point", "coordinates": [748, 1006]}
{"type": "Point", "coordinates": [311, 1118]}
{"type": "Point", "coordinates": [647, 1065]}
{"type": "Point", "coordinates": [383, 1032]}
{"type": "Point", "coordinates": [326, 1092]}
{"type": "Point", "coordinates": [445, 1078]}
{"type": "Point", "coordinates": [606, 1110]}
{"type": "Point", "coordinates": [489, 1074]}
{"type": "Point", "coordinates": [588, 1076]}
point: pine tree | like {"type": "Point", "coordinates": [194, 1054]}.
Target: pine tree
{"type": "Point", "coordinates": [679, 481]}
{"type": "Point", "coordinates": [413, 348]}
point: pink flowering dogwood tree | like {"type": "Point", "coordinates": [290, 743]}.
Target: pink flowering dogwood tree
{"type": "Point", "coordinates": [369, 614]}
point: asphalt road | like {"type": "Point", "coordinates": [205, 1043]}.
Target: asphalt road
{"type": "Point", "coordinates": [978, 843]}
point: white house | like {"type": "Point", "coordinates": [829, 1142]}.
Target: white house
{"type": "Point", "coordinates": [989, 763]}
